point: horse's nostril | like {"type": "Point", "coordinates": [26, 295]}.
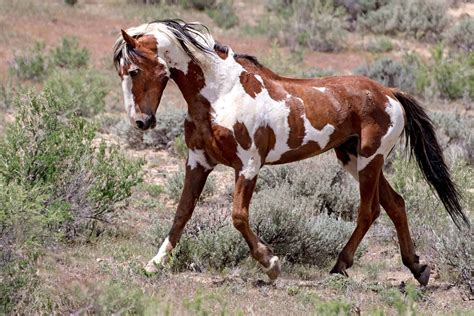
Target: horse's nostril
{"type": "Point", "coordinates": [140, 124]}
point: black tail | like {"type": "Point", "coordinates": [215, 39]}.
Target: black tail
{"type": "Point", "coordinates": [420, 134]}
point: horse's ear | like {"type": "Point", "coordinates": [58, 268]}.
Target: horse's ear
{"type": "Point", "coordinates": [129, 40]}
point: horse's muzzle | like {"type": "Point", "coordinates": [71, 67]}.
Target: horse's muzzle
{"type": "Point", "coordinates": [145, 122]}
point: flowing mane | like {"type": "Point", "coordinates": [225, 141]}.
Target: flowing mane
{"type": "Point", "coordinates": [194, 39]}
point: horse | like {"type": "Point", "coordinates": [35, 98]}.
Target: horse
{"type": "Point", "coordinates": [243, 115]}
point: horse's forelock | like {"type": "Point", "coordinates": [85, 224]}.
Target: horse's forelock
{"type": "Point", "coordinates": [191, 37]}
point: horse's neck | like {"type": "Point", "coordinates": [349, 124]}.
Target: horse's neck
{"type": "Point", "coordinates": [202, 84]}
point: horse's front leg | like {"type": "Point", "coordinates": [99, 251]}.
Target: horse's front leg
{"type": "Point", "coordinates": [195, 178]}
{"type": "Point", "coordinates": [240, 217]}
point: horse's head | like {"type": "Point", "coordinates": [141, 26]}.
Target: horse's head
{"type": "Point", "coordinates": [144, 77]}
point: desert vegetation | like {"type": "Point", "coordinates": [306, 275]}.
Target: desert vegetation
{"type": "Point", "coordinates": [85, 199]}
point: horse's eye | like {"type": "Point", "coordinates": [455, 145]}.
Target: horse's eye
{"type": "Point", "coordinates": [133, 72]}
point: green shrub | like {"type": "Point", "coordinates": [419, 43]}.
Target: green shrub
{"type": "Point", "coordinates": [154, 190]}
{"type": "Point", "coordinates": [278, 5]}
{"type": "Point", "coordinates": [418, 18]}
{"type": "Point", "coordinates": [37, 64]}
{"type": "Point", "coordinates": [132, 136]}
{"type": "Point", "coordinates": [326, 189]}
{"type": "Point", "coordinates": [69, 55]}
{"type": "Point", "coordinates": [455, 129]}
{"type": "Point", "coordinates": [450, 77]}
{"type": "Point", "coordinates": [175, 184]}
{"type": "Point", "coordinates": [109, 296]}
{"type": "Point", "coordinates": [453, 76]}
{"type": "Point", "coordinates": [390, 73]}
{"type": "Point", "coordinates": [55, 185]}
{"type": "Point", "coordinates": [7, 95]}
{"type": "Point", "coordinates": [179, 147]}
{"type": "Point", "coordinates": [54, 154]}
{"type": "Point", "coordinates": [31, 65]}
{"type": "Point", "coordinates": [198, 4]}
{"type": "Point", "coordinates": [169, 125]}
{"type": "Point", "coordinates": [223, 14]}
{"type": "Point", "coordinates": [289, 211]}
{"type": "Point", "coordinates": [211, 242]}
{"type": "Point", "coordinates": [461, 35]}
{"type": "Point", "coordinates": [81, 92]}
{"type": "Point", "coordinates": [456, 253]}
{"type": "Point", "coordinates": [379, 45]}
{"type": "Point", "coordinates": [292, 64]}
{"type": "Point", "coordinates": [295, 231]}
{"type": "Point", "coordinates": [70, 2]}
{"type": "Point", "coordinates": [317, 25]}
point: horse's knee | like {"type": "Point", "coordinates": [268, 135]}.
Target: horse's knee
{"type": "Point", "coordinates": [239, 221]}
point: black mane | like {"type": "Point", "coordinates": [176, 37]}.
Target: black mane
{"type": "Point", "coordinates": [225, 49]}
{"type": "Point", "coordinates": [187, 32]}
{"type": "Point", "coordinates": [250, 58]}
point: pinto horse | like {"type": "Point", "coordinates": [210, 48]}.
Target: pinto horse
{"type": "Point", "coordinates": [243, 115]}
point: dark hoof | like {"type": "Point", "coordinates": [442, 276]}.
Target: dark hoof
{"type": "Point", "coordinates": [424, 276]}
{"type": "Point", "coordinates": [337, 271]}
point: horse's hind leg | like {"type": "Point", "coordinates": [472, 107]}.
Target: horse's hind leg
{"type": "Point", "coordinates": [194, 181]}
{"type": "Point", "coordinates": [240, 216]}
{"type": "Point", "coordinates": [369, 210]}
{"type": "Point", "coordinates": [394, 205]}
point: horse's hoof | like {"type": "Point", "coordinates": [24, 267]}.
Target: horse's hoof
{"type": "Point", "coordinates": [337, 270]}
{"type": "Point", "coordinates": [424, 276]}
{"type": "Point", "coordinates": [151, 268]}
{"type": "Point", "coordinates": [342, 272]}
{"type": "Point", "coordinates": [274, 269]}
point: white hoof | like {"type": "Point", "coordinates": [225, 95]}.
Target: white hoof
{"type": "Point", "coordinates": [151, 267]}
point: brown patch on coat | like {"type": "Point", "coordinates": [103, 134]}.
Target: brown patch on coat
{"type": "Point", "coordinates": [192, 136]}
{"type": "Point", "coordinates": [242, 135]}
{"type": "Point", "coordinates": [224, 147]}
{"type": "Point", "coordinates": [276, 90]}
{"type": "Point", "coordinates": [309, 149]}
{"type": "Point", "coordinates": [375, 122]}
{"type": "Point", "coordinates": [190, 84]}
{"type": "Point", "coordinates": [265, 141]}
{"type": "Point", "coordinates": [295, 123]}
{"type": "Point", "coordinates": [250, 83]}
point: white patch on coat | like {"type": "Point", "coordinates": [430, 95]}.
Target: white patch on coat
{"type": "Point", "coordinates": [128, 97]}
{"type": "Point", "coordinates": [322, 89]}
{"type": "Point", "coordinates": [397, 122]}
{"type": "Point", "coordinates": [251, 161]}
{"type": "Point", "coordinates": [313, 134]}
{"type": "Point", "coordinates": [164, 64]}
{"type": "Point", "coordinates": [231, 104]}
{"type": "Point", "coordinates": [197, 157]}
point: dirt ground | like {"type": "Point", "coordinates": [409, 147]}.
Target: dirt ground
{"type": "Point", "coordinates": [377, 280]}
